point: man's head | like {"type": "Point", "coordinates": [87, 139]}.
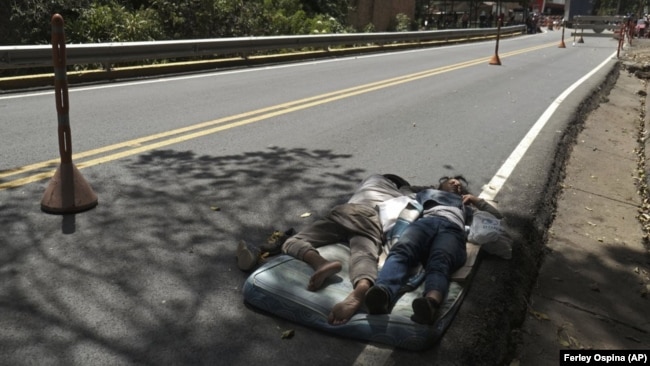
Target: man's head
{"type": "Point", "coordinates": [457, 184]}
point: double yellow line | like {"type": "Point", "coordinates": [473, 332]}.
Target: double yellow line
{"type": "Point", "coordinates": [151, 142]}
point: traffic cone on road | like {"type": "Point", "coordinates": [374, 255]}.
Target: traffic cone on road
{"type": "Point", "coordinates": [68, 191]}
{"type": "Point", "coordinates": [495, 60]}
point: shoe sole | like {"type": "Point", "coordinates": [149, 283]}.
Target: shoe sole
{"type": "Point", "coordinates": [377, 301]}
{"type": "Point", "coordinates": [423, 311]}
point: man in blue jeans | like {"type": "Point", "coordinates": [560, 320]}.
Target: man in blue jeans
{"type": "Point", "coordinates": [437, 241]}
{"type": "Point", "coordinates": [356, 222]}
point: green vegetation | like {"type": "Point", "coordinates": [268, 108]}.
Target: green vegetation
{"type": "Point", "coordinates": [26, 21]}
{"type": "Point", "coordinates": [619, 7]}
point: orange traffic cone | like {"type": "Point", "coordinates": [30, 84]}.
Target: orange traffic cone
{"type": "Point", "coordinates": [68, 191]}
{"type": "Point", "coordinates": [495, 60]}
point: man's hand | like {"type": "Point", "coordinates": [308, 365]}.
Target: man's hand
{"type": "Point", "coordinates": [470, 198]}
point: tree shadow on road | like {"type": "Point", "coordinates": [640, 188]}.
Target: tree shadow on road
{"type": "Point", "coordinates": [149, 275]}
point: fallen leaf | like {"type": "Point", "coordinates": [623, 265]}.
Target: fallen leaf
{"type": "Point", "coordinates": [288, 334]}
{"type": "Point", "coordinates": [538, 315]}
{"type": "Point", "coordinates": [306, 214]}
{"type": "Point", "coordinates": [588, 208]}
{"type": "Point", "coordinates": [215, 208]}
{"type": "Point", "coordinates": [564, 343]}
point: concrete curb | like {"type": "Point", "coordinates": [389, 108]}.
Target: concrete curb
{"type": "Point", "coordinates": [587, 295]}
{"type": "Point", "coordinates": [494, 310]}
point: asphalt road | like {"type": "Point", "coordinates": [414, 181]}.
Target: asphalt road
{"type": "Point", "coordinates": [185, 167]}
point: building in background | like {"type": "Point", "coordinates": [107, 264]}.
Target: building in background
{"type": "Point", "coordinates": [382, 14]}
{"type": "Point", "coordinates": [432, 14]}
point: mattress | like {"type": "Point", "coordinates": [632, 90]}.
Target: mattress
{"type": "Point", "coordinates": [279, 287]}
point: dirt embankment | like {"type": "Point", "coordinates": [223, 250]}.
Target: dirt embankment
{"type": "Point", "coordinates": [589, 287]}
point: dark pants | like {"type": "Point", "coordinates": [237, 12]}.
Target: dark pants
{"type": "Point", "coordinates": [435, 243]}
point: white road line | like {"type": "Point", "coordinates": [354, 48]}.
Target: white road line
{"type": "Point", "coordinates": [373, 355]}
{"type": "Point", "coordinates": [496, 183]}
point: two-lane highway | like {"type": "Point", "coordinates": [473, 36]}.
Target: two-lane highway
{"type": "Point", "coordinates": [436, 87]}
{"type": "Point", "coordinates": [186, 166]}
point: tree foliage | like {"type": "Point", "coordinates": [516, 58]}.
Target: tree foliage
{"type": "Point", "coordinates": [28, 21]}
{"type": "Point", "coordinates": [114, 23]}
{"type": "Point", "coordinates": [619, 7]}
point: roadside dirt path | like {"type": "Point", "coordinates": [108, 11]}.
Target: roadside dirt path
{"type": "Point", "coordinates": [592, 289]}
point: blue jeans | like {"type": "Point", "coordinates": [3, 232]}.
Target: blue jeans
{"type": "Point", "coordinates": [432, 241]}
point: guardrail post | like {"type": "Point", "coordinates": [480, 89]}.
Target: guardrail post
{"type": "Point", "coordinates": [68, 191]}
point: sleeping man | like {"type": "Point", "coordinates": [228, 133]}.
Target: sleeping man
{"type": "Point", "coordinates": [356, 222]}
{"type": "Point", "coordinates": [436, 240]}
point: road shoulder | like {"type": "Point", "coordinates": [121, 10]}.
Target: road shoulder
{"type": "Point", "coordinates": [590, 290]}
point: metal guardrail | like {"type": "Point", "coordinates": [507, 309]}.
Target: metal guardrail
{"type": "Point", "coordinates": [598, 23]}
{"type": "Point", "coordinates": [107, 54]}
